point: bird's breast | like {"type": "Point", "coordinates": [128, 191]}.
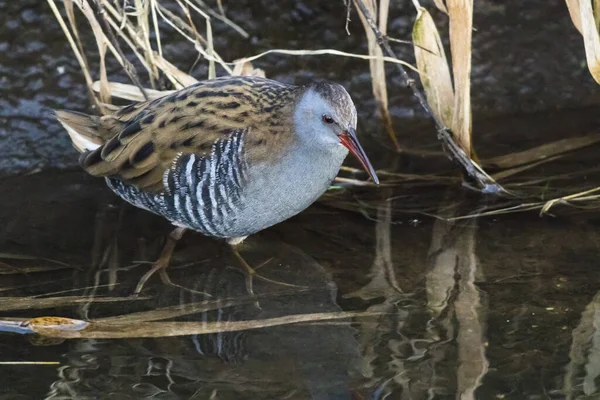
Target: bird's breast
{"type": "Point", "coordinates": [276, 192]}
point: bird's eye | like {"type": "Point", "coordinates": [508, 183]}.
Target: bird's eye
{"type": "Point", "coordinates": [327, 119]}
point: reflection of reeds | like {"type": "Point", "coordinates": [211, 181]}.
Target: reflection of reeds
{"type": "Point", "coordinates": [456, 302]}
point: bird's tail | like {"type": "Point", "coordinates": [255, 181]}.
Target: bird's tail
{"type": "Point", "coordinates": [84, 130]}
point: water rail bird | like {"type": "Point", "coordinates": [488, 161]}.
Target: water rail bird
{"type": "Point", "coordinates": [226, 157]}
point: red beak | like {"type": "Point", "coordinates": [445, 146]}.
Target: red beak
{"type": "Point", "coordinates": [349, 140]}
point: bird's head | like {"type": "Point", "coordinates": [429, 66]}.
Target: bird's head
{"type": "Point", "coordinates": [326, 116]}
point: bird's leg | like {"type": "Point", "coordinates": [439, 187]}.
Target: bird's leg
{"type": "Point", "coordinates": [162, 262]}
{"type": "Point", "coordinates": [251, 272]}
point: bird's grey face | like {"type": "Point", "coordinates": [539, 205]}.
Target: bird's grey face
{"type": "Point", "coordinates": [326, 116]}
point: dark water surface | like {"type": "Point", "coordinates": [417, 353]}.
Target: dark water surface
{"type": "Point", "coordinates": [504, 307]}
{"type": "Point", "coordinates": [492, 308]}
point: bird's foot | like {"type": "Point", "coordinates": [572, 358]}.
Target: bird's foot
{"type": "Point", "coordinates": [159, 265]}
{"type": "Point", "coordinates": [251, 274]}
{"type": "Point", "coordinates": [163, 262]}
{"type": "Point", "coordinates": [164, 277]}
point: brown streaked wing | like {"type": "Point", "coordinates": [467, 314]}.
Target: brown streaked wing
{"type": "Point", "coordinates": [152, 134]}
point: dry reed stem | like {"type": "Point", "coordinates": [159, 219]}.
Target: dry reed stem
{"type": "Point", "coordinates": [156, 30]}
{"type": "Point", "coordinates": [330, 52]}
{"type": "Point", "coordinates": [78, 55]}
{"type": "Point", "coordinates": [106, 18]}
{"type": "Point", "coordinates": [133, 40]}
{"type": "Point", "coordinates": [461, 26]}
{"type": "Point", "coordinates": [71, 16]}
{"type": "Point", "coordinates": [99, 17]}
{"type": "Point", "coordinates": [376, 64]}
{"type": "Point", "coordinates": [451, 104]}
{"type": "Point", "coordinates": [199, 39]}
{"type": "Point", "coordinates": [221, 17]}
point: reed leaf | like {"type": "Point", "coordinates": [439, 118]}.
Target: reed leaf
{"type": "Point", "coordinates": [433, 66]}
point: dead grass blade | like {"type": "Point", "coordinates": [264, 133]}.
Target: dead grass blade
{"type": "Point", "coordinates": [376, 65]}
{"type": "Point", "coordinates": [71, 16]}
{"type": "Point", "coordinates": [156, 30]}
{"type": "Point", "coordinates": [440, 5]}
{"type": "Point", "coordinates": [177, 76]}
{"type": "Point", "coordinates": [503, 210]}
{"type": "Point", "coordinates": [433, 67]}
{"type": "Point", "coordinates": [245, 68]}
{"type": "Point", "coordinates": [223, 18]}
{"type": "Point", "coordinates": [143, 23]}
{"type": "Point", "coordinates": [597, 13]}
{"type": "Point", "coordinates": [544, 152]}
{"type": "Point", "coordinates": [131, 92]}
{"type": "Point", "coordinates": [581, 196]}
{"type": "Point", "coordinates": [587, 199]}
{"type": "Point", "coordinates": [522, 168]}
{"type": "Point", "coordinates": [169, 329]}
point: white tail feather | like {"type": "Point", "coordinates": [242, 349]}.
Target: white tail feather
{"type": "Point", "coordinates": [80, 142]}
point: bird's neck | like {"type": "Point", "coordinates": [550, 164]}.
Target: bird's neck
{"type": "Point", "coordinates": [310, 166]}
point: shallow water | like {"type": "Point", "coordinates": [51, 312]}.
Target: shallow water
{"type": "Point", "coordinates": [491, 308]}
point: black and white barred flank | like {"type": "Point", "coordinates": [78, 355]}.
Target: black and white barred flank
{"type": "Point", "coordinates": [201, 192]}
